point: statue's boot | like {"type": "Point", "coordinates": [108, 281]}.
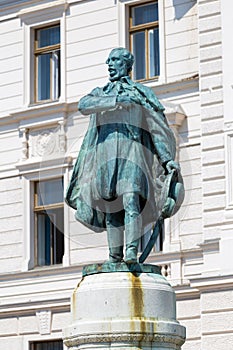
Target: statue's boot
{"type": "Point", "coordinates": [131, 252]}
{"type": "Point", "coordinates": [133, 226]}
{"type": "Point", "coordinates": [115, 236]}
{"type": "Point", "coordinates": [116, 254]}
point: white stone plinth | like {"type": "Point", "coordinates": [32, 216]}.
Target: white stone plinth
{"type": "Point", "coordinates": [124, 310]}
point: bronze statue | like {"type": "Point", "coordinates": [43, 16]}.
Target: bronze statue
{"type": "Point", "coordinates": [125, 176]}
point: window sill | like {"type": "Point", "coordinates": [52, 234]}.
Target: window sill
{"type": "Point", "coordinates": [161, 87]}
{"type": "Point", "coordinates": [51, 270]}
{"type": "Point", "coordinates": [156, 81]}
{"type": "Point", "coordinates": [47, 267]}
{"type": "Point", "coordinates": [44, 102]}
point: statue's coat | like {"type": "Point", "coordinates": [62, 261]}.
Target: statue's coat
{"type": "Point", "coordinates": [104, 171]}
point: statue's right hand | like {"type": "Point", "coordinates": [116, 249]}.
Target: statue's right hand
{"type": "Point", "coordinates": [126, 101]}
{"type": "Point", "coordinates": [123, 100]}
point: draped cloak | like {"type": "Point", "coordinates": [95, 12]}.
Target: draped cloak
{"type": "Point", "coordinates": [125, 149]}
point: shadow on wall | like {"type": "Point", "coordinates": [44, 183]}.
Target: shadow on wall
{"type": "Point", "coordinates": [182, 8]}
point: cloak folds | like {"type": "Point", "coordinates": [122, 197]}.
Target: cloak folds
{"type": "Point", "coordinates": [146, 144]}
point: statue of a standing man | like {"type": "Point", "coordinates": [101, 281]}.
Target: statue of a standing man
{"type": "Point", "coordinates": [127, 152]}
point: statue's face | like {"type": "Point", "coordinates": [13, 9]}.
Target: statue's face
{"type": "Point", "coordinates": [116, 66]}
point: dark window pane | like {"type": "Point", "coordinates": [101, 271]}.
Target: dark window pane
{"type": "Point", "coordinates": [49, 192]}
{"type": "Point", "coordinates": [44, 231]}
{"type": "Point", "coordinates": [47, 345]}
{"type": "Point", "coordinates": [153, 52]}
{"type": "Point", "coordinates": [50, 240]}
{"type": "Point", "coordinates": [139, 49]}
{"type": "Point", "coordinates": [145, 14]}
{"type": "Point", "coordinates": [48, 36]}
{"type": "Point", "coordinates": [44, 77]}
{"type": "Point", "coordinates": [56, 217]}
{"type": "Point", "coordinates": [50, 222]}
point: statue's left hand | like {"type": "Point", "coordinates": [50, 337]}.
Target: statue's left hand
{"type": "Point", "coordinates": [171, 164]}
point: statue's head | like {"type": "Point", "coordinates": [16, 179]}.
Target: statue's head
{"type": "Point", "coordinates": [120, 62]}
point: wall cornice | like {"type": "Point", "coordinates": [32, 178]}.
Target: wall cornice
{"type": "Point", "coordinates": [13, 9]}
{"type": "Point", "coordinates": [212, 283]}
{"type": "Point", "coordinates": [53, 271]}
{"type": "Point", "coordinates": [58, 4]}
{"type": "Point", "coordinates": [35, 111]}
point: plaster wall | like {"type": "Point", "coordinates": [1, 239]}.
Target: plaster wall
{"type": "Point", "coordinates": [198, 242]}
{"type": "Point", "coordinates": [11, 67]}
{"type": "Point", "coordinates": [11, 225]}
{"type": "Point", "coordinates": [91, 33]}
{"type": "Point", "coordinates": [181, 39]}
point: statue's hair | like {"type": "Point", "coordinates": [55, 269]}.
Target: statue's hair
{"type": "Point", "coordinates": [127, 56]}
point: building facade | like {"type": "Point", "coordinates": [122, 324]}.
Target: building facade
{"type": "Point", "coordinates": [52, 52]}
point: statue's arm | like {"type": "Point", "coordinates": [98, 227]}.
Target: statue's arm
{"type": "Point", "coordinates": [166, 157]}
{"type": "Point", "coordinates": [96, 102]}
{"type": "Point", "coordinates": [163, 139]}
{"type": "Point", "coordinates": [163, 152]}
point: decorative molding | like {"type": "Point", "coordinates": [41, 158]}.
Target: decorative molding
{"type": "Point", "coordinates": [23, 133]}
{"type": "Point", "coordinates": [166, 270]}
{"type": "Point", "coordinates": [229, 126]}
{"type": "Point", "coordinates": [174, 113]}
{"type": "Point", "coordinates": [130, 338]}
{"type": "Point", "coordinates": [176, 116]}
{"type": "Point", "coordinates": [44, 321]}
{"type": "Point", "coordinates": [43, 149]}
{"type": "Point", "coordinates": [62, 137]}
{"type": "Point", "coordinates": [210, 245]}
{"type": "Point", "coordinates": [43, 142]}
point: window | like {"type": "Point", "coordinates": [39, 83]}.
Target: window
{"type": "Point", "coordinates": [144, 40]}
{"type": "Point", "coordinates": [47, 345]}
{"type": "Point", "coordinates": [49, 222]}
{"type": "Point", "coordinates": [47, 63]}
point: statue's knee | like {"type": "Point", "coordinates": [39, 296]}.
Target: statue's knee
{"type": "Point", "coordinates": [131, 203]}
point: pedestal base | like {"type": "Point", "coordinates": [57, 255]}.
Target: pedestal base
{"type": "Point", "coordinates": [131, 308]}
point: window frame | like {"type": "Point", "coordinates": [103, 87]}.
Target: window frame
{"type": "Point", "coordinates": [39, 210]}
{"type": "Point", "coordinates": [145, 27]}
{"type": "Point", "coordinates": [31, 18]}
{"type": "Point", "coordinates": [39, 51]}
{"type": "Point", "coordinates": [124, 40]}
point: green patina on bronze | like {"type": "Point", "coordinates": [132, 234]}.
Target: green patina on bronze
{"type": "Point", "coordinates": [108, 267]}
{"type": "Point", "coordinates": [124, 178]}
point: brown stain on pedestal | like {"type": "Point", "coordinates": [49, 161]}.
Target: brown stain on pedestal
{"type": "Point", "coordinates": [136, 296]}
{"type": "Point", "coordinates": [74, 301]}
{"type": "Point", "coordinates": [137, 304]}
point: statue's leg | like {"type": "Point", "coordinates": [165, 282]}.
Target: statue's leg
{"type": "Point", "coordinates": [133, 225]}
{"type": "Point", "coordinates": [115, 233]}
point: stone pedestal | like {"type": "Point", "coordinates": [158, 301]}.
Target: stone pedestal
{"type": "Point", "coordinates": [133, 307]}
